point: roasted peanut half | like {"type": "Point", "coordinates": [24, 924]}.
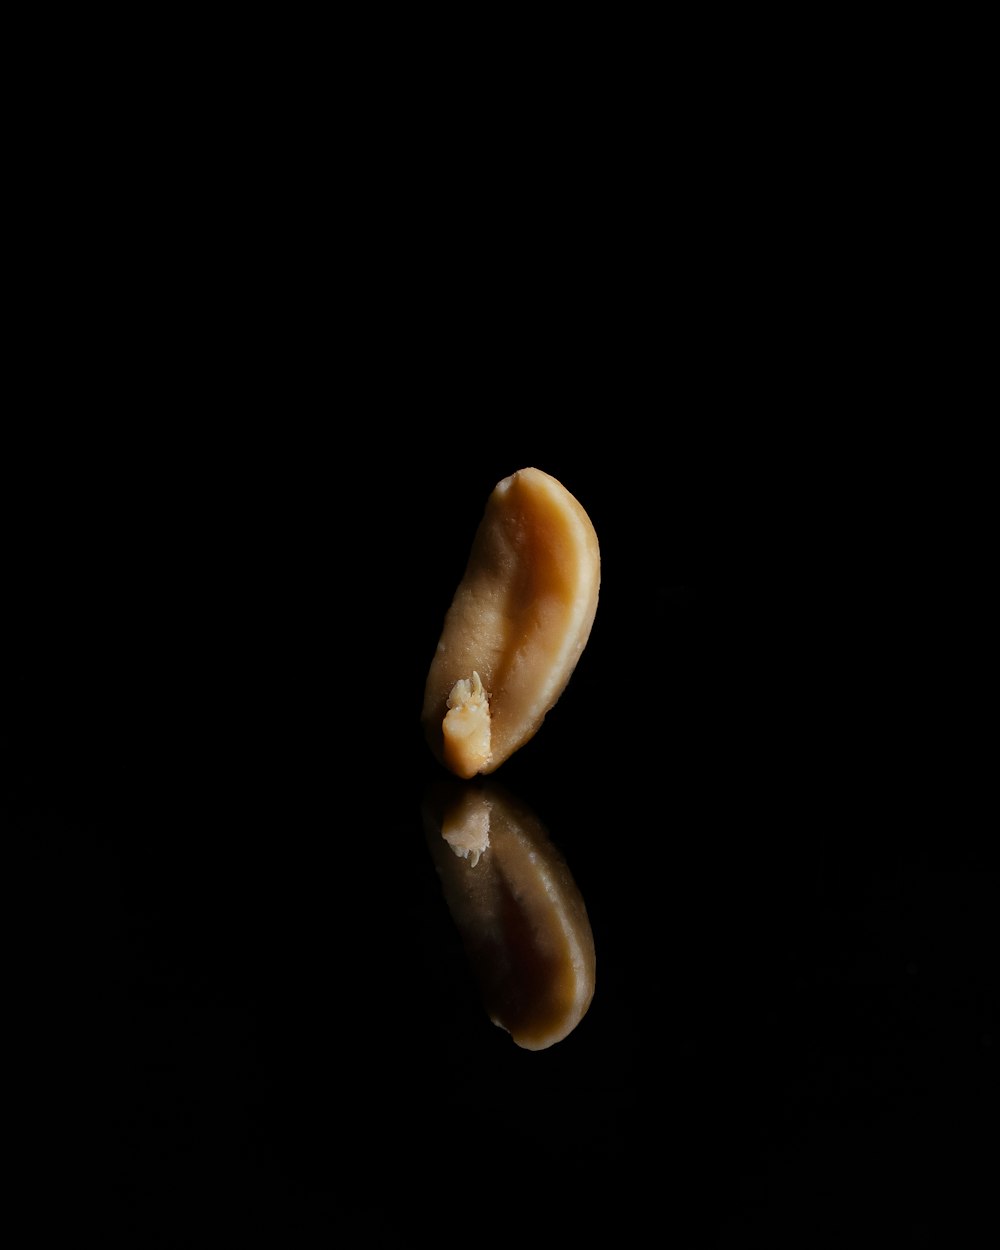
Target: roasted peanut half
{"type": "Point", "coordinates": [518, 910]}
{"type": "Point", "coordinates": [519, 621]}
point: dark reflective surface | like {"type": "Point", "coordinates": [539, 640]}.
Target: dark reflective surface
{"type": "Point", "coordinates": [265, 1008]}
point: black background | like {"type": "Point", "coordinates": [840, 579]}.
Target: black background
{"type": "Point", "coordinates": [265, 1018]}
{"type": "Point", "coordinates": [269, 382]}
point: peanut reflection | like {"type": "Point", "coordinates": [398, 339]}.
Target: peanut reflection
{"type": "Point", "coordinates": [520, 915]}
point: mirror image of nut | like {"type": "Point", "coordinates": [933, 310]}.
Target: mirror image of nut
{"type": "Point", "coordinates": [519, 912]}
{"type": "Point", "coordinates": [517, 625]}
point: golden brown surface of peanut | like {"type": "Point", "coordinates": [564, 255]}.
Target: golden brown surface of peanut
{"type": "Point", "coordinates": [517, 625]}
{"type": "Point", "coordinates": [520, 914]}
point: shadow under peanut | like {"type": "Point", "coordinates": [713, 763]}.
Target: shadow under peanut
{"type": "Point", "coordinates": [520, 915]}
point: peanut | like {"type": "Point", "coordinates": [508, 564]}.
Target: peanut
{"type": "Point", "coordinates": [517, 625]}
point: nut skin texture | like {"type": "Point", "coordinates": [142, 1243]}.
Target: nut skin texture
{"type": "Point", "coordinates": [520, 618]}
